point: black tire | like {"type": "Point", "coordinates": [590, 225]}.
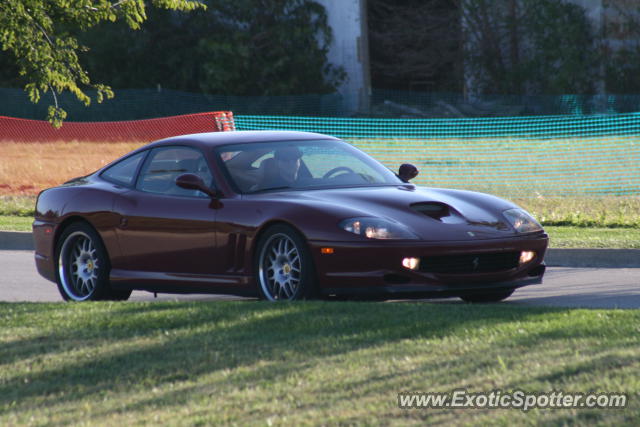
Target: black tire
{"type": "Point", "coordinates": [491, 296]}
{"type": "Point", "coordinates": [83, 266]}
{"type": "Point", "coordinates": [283, 266]}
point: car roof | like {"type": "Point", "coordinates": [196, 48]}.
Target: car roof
{"type": "Point", "coordinates": [213, 139]}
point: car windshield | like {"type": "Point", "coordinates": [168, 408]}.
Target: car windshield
{"type": "Point", "coordinates": [265, 166]}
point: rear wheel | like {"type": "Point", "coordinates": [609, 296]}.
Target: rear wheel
{"type": "Point", "coordinates": [284, 267]}
{"type": "Point", "coordinates": [83, 266]}
{"type": "Point", "coordinates": [493, 296]}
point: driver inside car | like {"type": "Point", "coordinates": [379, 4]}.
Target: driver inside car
{"type": "Point", "coordinates": [288, 161]}
{"type": "Point", "coordinates": [282, 170]}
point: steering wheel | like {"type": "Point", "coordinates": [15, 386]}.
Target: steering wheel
{"type": "Point", "coordinates": [336, 170]}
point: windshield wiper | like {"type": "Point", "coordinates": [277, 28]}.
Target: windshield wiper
{"type": "Point", "coordinates": [284, 187]}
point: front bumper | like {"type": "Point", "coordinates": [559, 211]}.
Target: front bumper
{"type": "Point", "coordinates": [43, 236]}
{"type": "Point", "coordinates": [376, 266]}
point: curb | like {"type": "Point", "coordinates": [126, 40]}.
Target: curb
{"type": "Point", "coordinates": [592, 258]}
{"type": "Point", "coordinates": [16, 240]}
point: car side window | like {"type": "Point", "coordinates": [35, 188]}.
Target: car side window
{"type": "Point", "coordinates": [165, 164]}
{"type": "Point", "coordinates": [124, 171]}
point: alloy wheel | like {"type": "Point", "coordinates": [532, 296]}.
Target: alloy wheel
{"type": "Point", "coordinates": [79, 266]}
{"type": "Point", "coordinates": [280, 269]}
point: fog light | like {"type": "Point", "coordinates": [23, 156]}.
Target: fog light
{"type": "Point", "coordinates": [411, 263]}
{"type": "Point", "coordinates": [526, 256]}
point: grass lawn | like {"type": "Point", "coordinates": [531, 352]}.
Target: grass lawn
{"type": "Point", "coordinates": [609, 212]}
{"type": "Point", "coordinates": [17, 205]}
{"type": "Point", "coordinates": [15, 223]}
{"type": "Point", "coordinates": [255, 363]}
{"type": "Point", "coordinates": [594, 237]}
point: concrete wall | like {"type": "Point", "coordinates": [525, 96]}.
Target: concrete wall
{"type": "Point", "coordinates": [350, 49]}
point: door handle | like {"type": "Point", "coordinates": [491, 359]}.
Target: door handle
{"type": "Point", "coordinates": [124, 222]}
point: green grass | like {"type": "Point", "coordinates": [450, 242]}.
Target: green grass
{"type": "Point", "coordinates": [15, 223]}
{"type": "Point", "coordinates": [17, 205]}
{"type": "Point", "coordinates": [609, 212]}
{"type": "Point", "coordinates": [253, 363]}
{"type": "Point", "coordinates": [579, 237]}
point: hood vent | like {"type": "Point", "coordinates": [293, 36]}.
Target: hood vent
{"type": "Point", "coordinates": [436, 210]}
{"type": "Point", "coordinates": [449, 215]}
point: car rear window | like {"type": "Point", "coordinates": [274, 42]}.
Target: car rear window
{"type": "Point", "coordinates": [124, 171]}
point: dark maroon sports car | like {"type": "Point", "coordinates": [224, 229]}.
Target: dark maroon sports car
{"type": "Point", "coordinates": [280, 215]}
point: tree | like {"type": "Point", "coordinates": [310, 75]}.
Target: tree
{"type": "Point", "coordinates": [621, 52]}
{"type": "Point", "coordinates": [505, 46]}
{"type": "Point", "coordinates": [529, 46]}
{"type": "Point", "coordinates": [235, 47]}
{"type": "Point", "coordinates": [268, 47]}
{"type": "Point", "coordinates": [415, 44]}
{"type": "Point", "coordinates": [41, 37]}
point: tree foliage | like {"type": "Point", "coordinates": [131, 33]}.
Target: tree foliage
{"type": "Point", "coordinates": [41, 37]}
{"type": "Point", "coordinates": [622, 64]}
{"type": "Point", "coordinates": [224, 47]}
{"type": "Point", "coordinates": [503, 46]}
{"type": "Point", "coordinates": [235, 47]}
{"type": "Point", "coordinates": [529, 46]}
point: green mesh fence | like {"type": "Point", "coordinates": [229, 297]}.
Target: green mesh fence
{"type": "Point", "coordinates": [136, 104]}
{"type": "Point", "coordinates": [569, 145]}
{"type": "Point", "coordinates": [512, 157]}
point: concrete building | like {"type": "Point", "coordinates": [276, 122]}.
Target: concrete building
{"type": "Point", "coordinates": [350, 46]}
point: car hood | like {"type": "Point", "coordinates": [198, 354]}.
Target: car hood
{"type": "Point", "coordinates": [431, 213]}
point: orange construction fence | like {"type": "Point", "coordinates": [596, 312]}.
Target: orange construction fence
{"type": "Point", "coordinates": [23, 130]}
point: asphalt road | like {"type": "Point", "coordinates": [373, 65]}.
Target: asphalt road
{"type": "Point", "coordinates": [562, 287]}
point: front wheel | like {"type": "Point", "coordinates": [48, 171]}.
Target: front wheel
{"type": "Point", "coordinates": [83, 266]}
{"type": "Point", "coordinates": [492, 296]}
{"type": "Point", "coordinates": [284, 267]}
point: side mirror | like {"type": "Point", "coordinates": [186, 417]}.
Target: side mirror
{"type": "Point", "coordinates": [407, 172]}
{"type": "Point", "coordinates": [189, 181]}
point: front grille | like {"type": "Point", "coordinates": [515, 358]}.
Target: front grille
{"type": "Point", "coordinates": [470, 263]}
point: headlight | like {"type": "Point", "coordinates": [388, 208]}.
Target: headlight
{"type": "Point", "coordinates": [522, 221]}
{"type": "Point", "coordinates": [377, 228]}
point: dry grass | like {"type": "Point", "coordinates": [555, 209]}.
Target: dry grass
{"type": "Point", "coordinates": [509, 168]}
{"type": "Point", "coordinates": [28, 168]}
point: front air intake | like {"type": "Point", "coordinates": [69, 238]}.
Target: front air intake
{"type": "Point", "coordinates": [470, 263]}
